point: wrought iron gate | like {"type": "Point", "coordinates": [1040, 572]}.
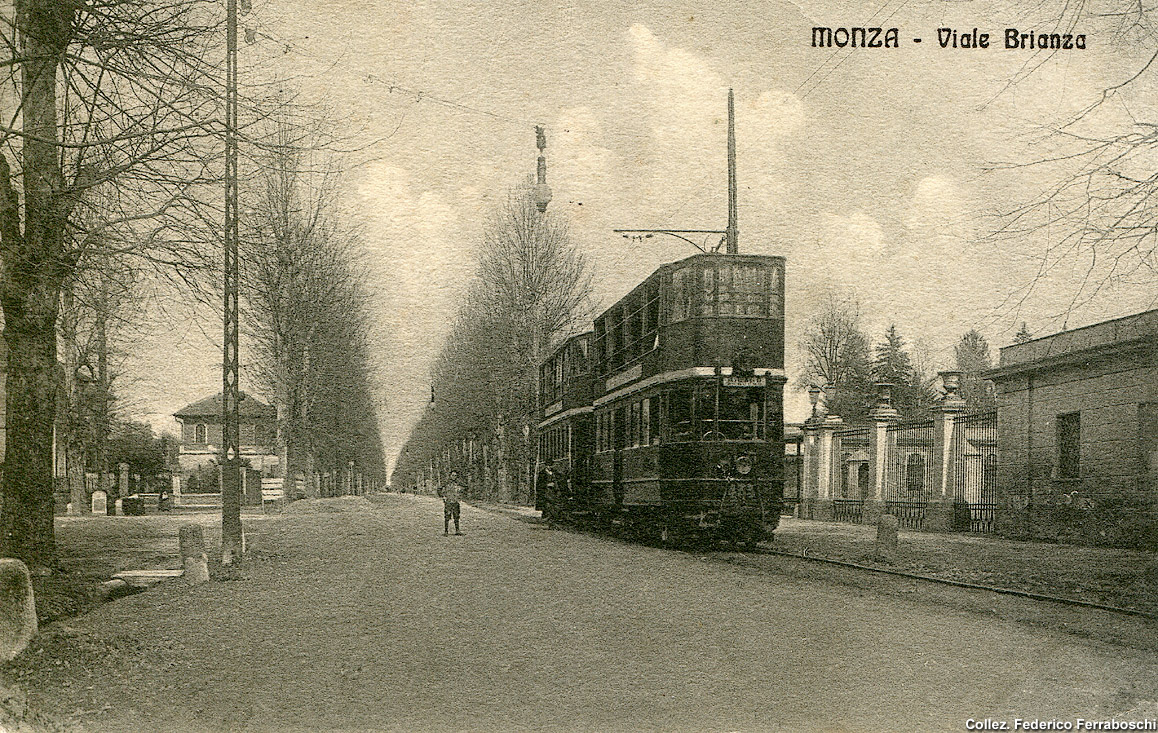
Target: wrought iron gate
{"type": "Point", "coordinates": [909, 472]}
{"type": "Point", "coordinates": [975, 467]}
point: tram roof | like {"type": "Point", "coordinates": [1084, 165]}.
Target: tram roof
{"type": "Point", "coordinates": [714, 257]}
{"type": "Point", "coordinates": [567, 342]}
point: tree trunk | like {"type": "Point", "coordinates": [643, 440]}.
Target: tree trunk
{"type": "Point", "coordinates": [32, 268]}
{"type": "Point", "coordinates": [77, 492]}
{"type": "Point", "coordinates": [70, 428]}
{"type": "Point", "coordinates": [27, 515]}
{"type": "Point", "coordinates": [501, 453]}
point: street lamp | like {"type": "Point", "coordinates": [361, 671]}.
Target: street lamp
{"type": "Point", "coordinates": [542, 190]}
{"type": "Point", "coordinates": [814, 397]}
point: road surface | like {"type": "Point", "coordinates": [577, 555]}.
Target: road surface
{"type": "Point", "coordinates": [371, 619]}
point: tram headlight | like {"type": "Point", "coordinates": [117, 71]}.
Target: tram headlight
{"type": "Point", "coordinates": [743, 465]}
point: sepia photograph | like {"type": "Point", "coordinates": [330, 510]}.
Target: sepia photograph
{"type": "Point", "coordinates": [445, 365]}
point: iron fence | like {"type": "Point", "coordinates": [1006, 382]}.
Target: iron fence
{"type": "Point", "coordinates": [850, 455]}
{"type": "Point", "coordinates": [847, 510]}
{"type": "Point", "coordinates": [909, 471]}
{"type": "Point", "coordinates": [974, 461]}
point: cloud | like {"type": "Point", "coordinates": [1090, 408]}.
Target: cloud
{"type": "Point", "coordinates": [683, 105]}
{"type": "Point", "coordinates": [852, 238]}
{"type": "Point", "coordinates": [585, 174]}
{"type": "Point", "coordinates": [418, 253]}
{"type": "Point", "coordinates": [938, 213]}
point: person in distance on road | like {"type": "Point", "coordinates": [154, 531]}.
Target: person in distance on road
{"type": "Point", "coordinates": [450, 493]}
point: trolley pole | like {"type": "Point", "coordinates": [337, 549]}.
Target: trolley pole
{"type": "Point", "coordinates": [231, 532]}
{"type": "Point", "coordinates": [732, 233]}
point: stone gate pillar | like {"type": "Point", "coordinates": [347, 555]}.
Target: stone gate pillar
{"type": "Point", "coordinates": [939, 514]}
{"type": "Point", "coordinates": [821, 469]}
{"type": "Point", "coordinates": [880, 451]}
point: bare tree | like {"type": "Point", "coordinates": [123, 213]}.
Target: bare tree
{"type": "Point", "coordinates": [1098, 209]}
{"type": "Point", "coordinates": [304, 309]}
{"type": "Point", "coordinates": [112, 145]}
{"type": "Point", "coordinates": [533, 287]}
{"type": "Point", "coordinates": [100, 307]}
{"type": "Point", "coordinates": [837, 357]}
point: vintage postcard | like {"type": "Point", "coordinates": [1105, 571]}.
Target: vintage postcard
{"type": "Point", "coordinates": [590, 366]}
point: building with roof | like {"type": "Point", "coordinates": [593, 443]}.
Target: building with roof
{"type": "Point", "coordinates": [201, 433]}
{"type": "Point", "coordinates": [1077, 434]}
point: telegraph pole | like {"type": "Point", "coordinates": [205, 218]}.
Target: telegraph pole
{"type": "Point", "coordinates": [231, 532]}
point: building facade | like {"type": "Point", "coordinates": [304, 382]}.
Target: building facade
{"type": "Point", "coordinates": [201, 433]}
{"type": "Point", "coordinates": [1078, 434]}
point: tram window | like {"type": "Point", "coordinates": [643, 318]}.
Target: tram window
{"type": "Point", "coordinates": [652, 308]}
{"type": "Point", "coordinates": [725, 292]}
{"type": "Point", "coordinates": [645, 422]}
{"type": "Point", "coordinates": [743, 291]}
{"type": "Point", "coordinates": [680, 414]}
{"type": "Point", "coordinates": [741, 415]}
{"type": "Point", "coordinates": [619, 428]}
{"type": "Point", "coordinates": [600, 345]}
{"type": "Point", "coordinates": [637, 424]}
{"type": "Point", "coordinates": [707, 292]}
{"type": "Point", "coordinates": [681, 293]}
{"type": "Point", "coordinates": [630, 410]}
{"type": "Point", "coordinates": [753, 427]}
{"type": "Point", "coordinates": [614, 334]}
{"type": "Point", "coordinates": [735, 290]}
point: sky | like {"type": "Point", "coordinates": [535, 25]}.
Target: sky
{"type": "Point", "coordinates": [876, 172]}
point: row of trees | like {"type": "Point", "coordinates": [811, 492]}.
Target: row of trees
{"type": "Point", "coordinates": [841, 358]}
{"type": "Point", "coordinates": [532, 288]}
{"type": "Point", "coordinates": [304, 309]}
{"type": "Point", "coordinates": [111, 142]}
{"type": "Point", "coordinates": [111, 171]}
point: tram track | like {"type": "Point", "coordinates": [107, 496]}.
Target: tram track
{"type": "Point", "coordinates": [768, 551]}
{"type": "Point", "coordinates": [959, 583]}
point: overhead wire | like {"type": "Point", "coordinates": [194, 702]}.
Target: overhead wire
{"type": "Point", "coordinates": [420, 95]}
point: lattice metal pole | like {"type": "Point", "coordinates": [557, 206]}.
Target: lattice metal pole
{"type": "Point", "coordinates": [231, 532]}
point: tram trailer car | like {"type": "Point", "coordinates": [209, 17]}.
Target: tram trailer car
{"type": "Point", "coordinates": [687, 383]}
{"type": "Point", "coordinates": [565, 428]}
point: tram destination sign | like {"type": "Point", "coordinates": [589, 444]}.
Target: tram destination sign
{"type": "Point", "coordinates": [733, 381]}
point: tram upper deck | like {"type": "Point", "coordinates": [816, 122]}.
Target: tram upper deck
{"type": "Point", "coordinates": [565, 378]}
{"type": "Point", "coordinates": [704, 313]}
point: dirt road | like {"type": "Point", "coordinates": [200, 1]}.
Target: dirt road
{"type": "Point", "coordinates": [371, 619]}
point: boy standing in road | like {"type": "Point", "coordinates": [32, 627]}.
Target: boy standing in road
{"type": "Point", "coordinates": [450, 493]}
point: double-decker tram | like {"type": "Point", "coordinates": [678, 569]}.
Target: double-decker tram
{"type": "Point", "coordinates": [686, 377]}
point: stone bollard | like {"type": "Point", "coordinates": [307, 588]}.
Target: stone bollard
{"type": "Point", "coordinates": [17, 608]}
{"type": "Point", "coordinates": [192, 541]}
{"type": "Point", "coordinates": [887, 537]}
